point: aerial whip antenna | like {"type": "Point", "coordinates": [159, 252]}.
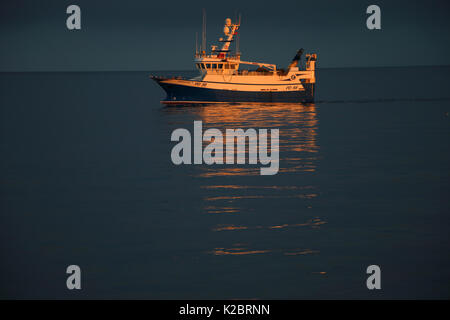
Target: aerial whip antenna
{"type": "Point", "coordinates": [196, 43]}
{"type": "Point", "coordinates": [204, 31]}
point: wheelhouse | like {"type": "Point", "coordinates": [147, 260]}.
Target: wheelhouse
{"type": "Point", "coordinates": [216, 66]}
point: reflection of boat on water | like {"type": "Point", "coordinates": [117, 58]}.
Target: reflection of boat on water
{"type": "Point", "coordinates": [242, 207]}
{"type": "Point", "coordinates": [220, 79]}
{"type": "Point", "coordinates": [298, 124]}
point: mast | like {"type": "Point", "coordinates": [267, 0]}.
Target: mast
{"type": "Point", "coordinates": [230, 30]}
{"type": "Point", "coordinates": [203, 48]}
{"type": "Point", "coordinates": [196, 43]}
{"type": "Point", "coordinates": [238, 54]}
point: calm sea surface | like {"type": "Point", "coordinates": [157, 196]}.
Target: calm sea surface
{"type": "Point", "coordinates": [86, 178]}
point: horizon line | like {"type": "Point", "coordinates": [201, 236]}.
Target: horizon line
{"type": "Point", "coordinates": [190, 70]}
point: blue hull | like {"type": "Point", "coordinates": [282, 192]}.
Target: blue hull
{"type": "Point", "coordinates": [183, 94]}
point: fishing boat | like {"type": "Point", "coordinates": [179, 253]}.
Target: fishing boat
{"type": "Point", "coordinates": [220, 78]}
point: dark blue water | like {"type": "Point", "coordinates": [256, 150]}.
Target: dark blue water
{"type": "Point", "coordinates": [86, 178]}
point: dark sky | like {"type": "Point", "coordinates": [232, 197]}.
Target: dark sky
{"type": "Point", "coordinates": [152, 35]}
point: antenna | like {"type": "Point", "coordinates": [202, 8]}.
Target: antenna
{"type": "Point", "coordinates": [196, 43]}
{"type": "Point", "coordinates": [204, 31]}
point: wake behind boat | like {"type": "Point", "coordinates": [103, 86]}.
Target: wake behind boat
{"type": "Point", "coordinates": [221, 80]}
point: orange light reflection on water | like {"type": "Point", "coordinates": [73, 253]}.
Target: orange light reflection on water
{"type": "Point", "coordinates": [298, 126]}
{"type": "Point", "coordinates": [314, 223]}
{"type": "Point", "coordinates": [227, 197]}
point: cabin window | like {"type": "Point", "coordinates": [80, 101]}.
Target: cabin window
{"type": "Point", "coordinates": [214, 66]}
{"type": "Point", "coordinates": [208, 66]}
{"type": "Point", "coordinates": [232, 66]}
{"type": "Point", "coordinates": [203, 66]}
{"type": "Point", "coordinates": [227, 66]}
{"type": "Point", "coordinates": [220, 66]}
